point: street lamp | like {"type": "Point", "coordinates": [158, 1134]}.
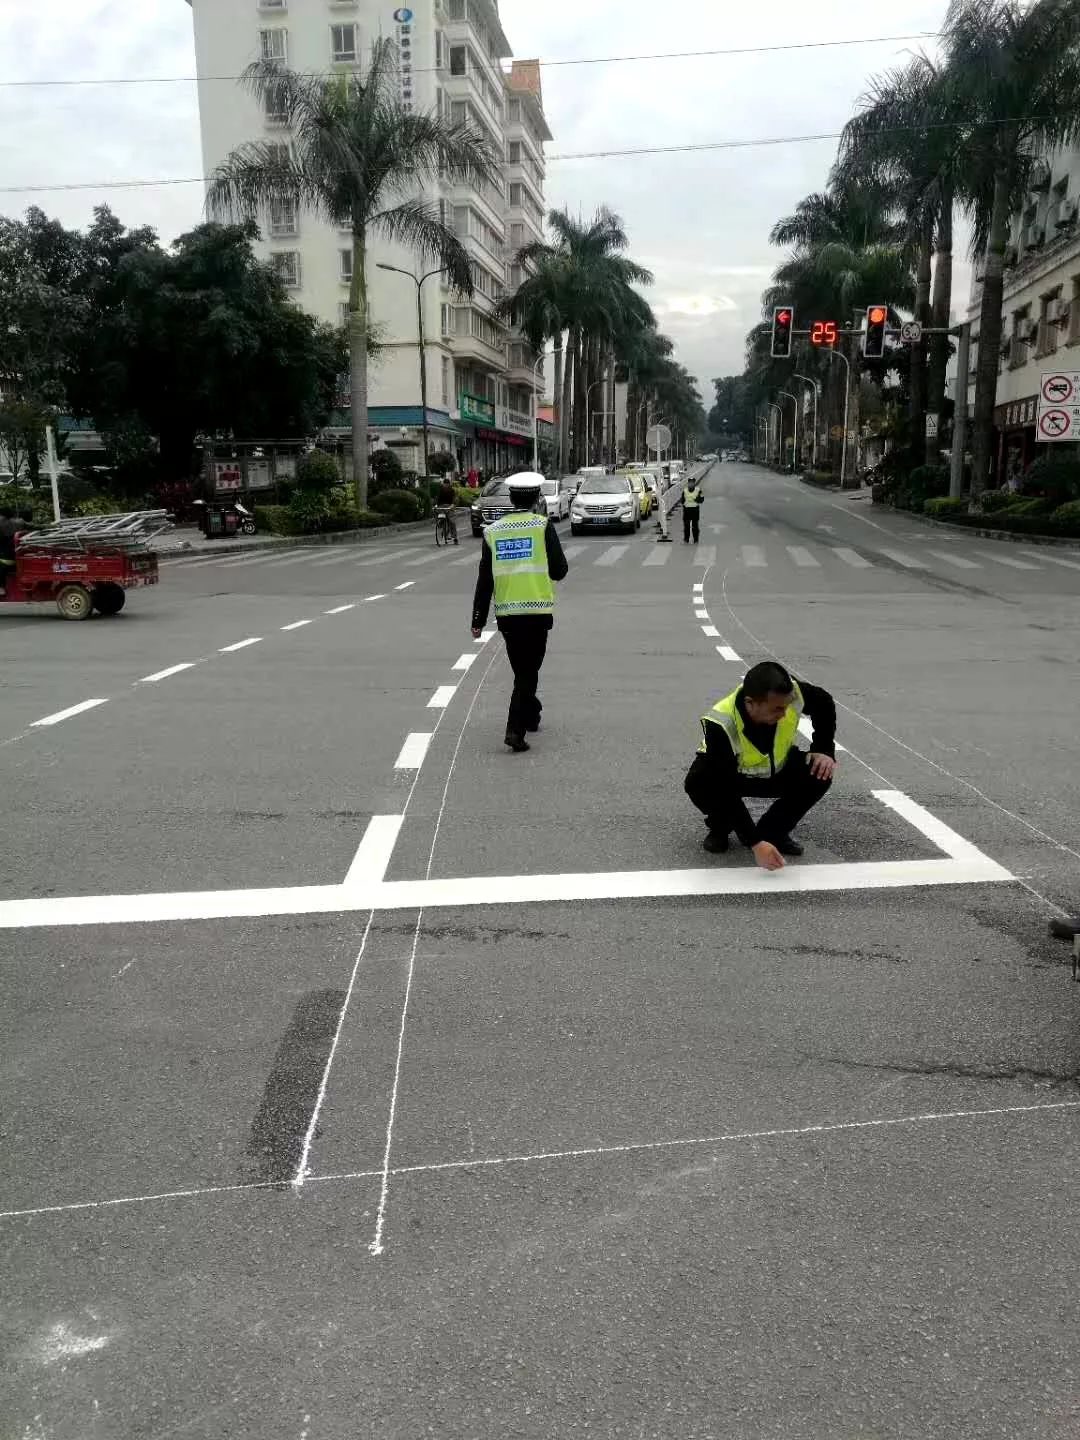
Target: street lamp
{"type": "Point", "coordinates": [839, 355]}
{"type": "Point", "coordinates": [779, 427]}
{"type": "Point", "coordinates": [588, 428]}
{"type": "Point", "coordinates": [418, 281]}
{"type": "Point", "coordinates": [795, 433]}
{"type": "Point", "coordinates": [536, 437]}
{"type": "Point", "coordinates": [816, 387]}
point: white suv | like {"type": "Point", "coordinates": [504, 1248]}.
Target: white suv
{"type": "Point", "coordinates": [605, 502]}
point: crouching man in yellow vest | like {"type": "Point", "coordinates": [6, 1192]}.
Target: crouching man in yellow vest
{"type": "Point", "coordinates": [520, 558]}
{"type": "Point", "coordinates": [748, 749]}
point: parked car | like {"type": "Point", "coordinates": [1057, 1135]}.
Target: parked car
{"type": "Point", "coordinates": [642, 491]}
{"type": "Point", "coordinates": [556, 498]}
{"type": "Point", "coordinates": [605, 502]}
{"type": "Point", "coordinates": [491, 504]}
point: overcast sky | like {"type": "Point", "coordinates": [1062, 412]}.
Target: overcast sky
{"type": "Point", "coordinates": [699, 222]}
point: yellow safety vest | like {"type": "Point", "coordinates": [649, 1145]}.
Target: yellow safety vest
{"type": "Point", "coordinates": [691, 496]}
{"type": "Point", "coordinates": [750, 759]}
{"type": "Point", "coordinates": [519, 564]}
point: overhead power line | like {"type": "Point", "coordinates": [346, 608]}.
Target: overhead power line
{"type": "Point", "coordinates": [66, 82]}
{"type": "Point", "coordinates": [685, 149]}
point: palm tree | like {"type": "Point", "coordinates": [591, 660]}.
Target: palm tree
{"type": "Point", "coordinates": [904, 142]}
{"type": "Point", "coordinates": [357, 159]}
{"type": "Point", "coordinates": [1014, 70]}
{"type": "Point", "coordinates": [537, 309]}
{"type": "Point", "coordinates": [594, 298]}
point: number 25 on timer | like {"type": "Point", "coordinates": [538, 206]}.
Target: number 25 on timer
{"type": "Point", "coordinates": [823, 332]}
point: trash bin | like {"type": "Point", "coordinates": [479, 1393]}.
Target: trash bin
{"type": "Point", "coordinates": [232, 522]}
{"type": "Point", "coordinates": [215, 523]}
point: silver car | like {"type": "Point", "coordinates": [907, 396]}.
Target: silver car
{"type": "Point", "coordinates": [605, 502]}
{"type": "Point", "coordinates": [556, 499]}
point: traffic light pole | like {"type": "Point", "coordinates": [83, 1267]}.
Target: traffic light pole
{"type": "Point", "coordinates": [795, 433]}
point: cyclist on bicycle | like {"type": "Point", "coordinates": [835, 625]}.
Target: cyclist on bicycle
{"type": "Point", "coordinates": [445, 501]}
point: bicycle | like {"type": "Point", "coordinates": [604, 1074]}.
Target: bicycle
{"type": "Point", "coordinates": [445, 529]}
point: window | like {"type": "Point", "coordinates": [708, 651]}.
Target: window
{"type": "Point", "coordinates": [447, 319]}
{"type": "Point", "coordinates": [1049, 315]}
{"type": "Point", "coordinates": [517, 235]}
{"type": "Point", "coordinates": [274, 45]}
{"type": "Point", "coordinates": [274, 106]}
{"type": "Point", "coordinates": [345, 258]}
{"type": "Point", "coordinates": [457, 59]}
{"type": "Point", "coordinates": [1021, 336]}
{"type": "Point", "coordinates": [343, 47]}
{"type": "Point", "coordinates": [286, 264]}
{"type": "Point", "coordinates": [440, 52]}
{"type": "Point", "coordinates": [445, 381]}
{"type": "Point", "coordinates": [1074, 311]}
{"type": "Point", "coordinates": [515, 152]}
{"type": "Point", "coordinates": [283, 218]}
{"type": "Point", "coordinates": [343, 312]}
{"type": "Point", "coordinates": [272, 5]}
{"type": "Point", "coordinates": [515, 110]}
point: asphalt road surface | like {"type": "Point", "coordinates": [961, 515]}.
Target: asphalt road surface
{"type": "Point", "coordinates": [362, 1079]}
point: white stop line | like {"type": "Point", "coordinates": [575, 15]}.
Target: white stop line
{"type": "Point", "coordinates": [365, 887]}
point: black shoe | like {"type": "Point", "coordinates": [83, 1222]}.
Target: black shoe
{"type": "Point", "coordinates": [715, 844]}
{"type": "Point", "coordinates": [517, 743]}
{"type": "Point", "coordinates": [1067, 929]}
{"type": "Point", "coordinates": [532, 729]}
{"type": "Point", "coordinates": [787, 846]}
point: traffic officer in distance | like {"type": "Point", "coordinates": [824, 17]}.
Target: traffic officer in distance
{"type": "Point", "coordinates": [748, 749]}
{"type": "Point", "coordinates": [692, 497]}
{"type": "Point", "coordinates": [521, 556]}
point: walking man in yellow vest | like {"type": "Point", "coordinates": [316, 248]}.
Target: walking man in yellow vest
{"type": "Point", "coordinates": [748, 749]}
{"type": "Point", "coordinates": [692, 497]}
{"type": "Point", "coordinates": [521, 556]}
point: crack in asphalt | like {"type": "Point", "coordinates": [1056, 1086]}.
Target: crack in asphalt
{"type": "Point", "coordinates": [958, 1071]}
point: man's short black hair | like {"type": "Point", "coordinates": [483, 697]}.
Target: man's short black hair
{"type": "Point", "coordinates": [767, 679]}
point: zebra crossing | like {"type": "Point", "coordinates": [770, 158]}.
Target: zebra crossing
{"type": "Point", "coordinates": [648, 554]}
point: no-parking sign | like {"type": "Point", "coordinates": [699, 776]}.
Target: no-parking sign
{"type": "Point", "coordinates": [1059, 406]}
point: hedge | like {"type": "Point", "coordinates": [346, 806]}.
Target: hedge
{"type": "Point", "coordinates": [1067, 514]}
{"type": "Point", "coordinates": [940, 506]}
{"type": "Point", "coordinates": [399, 505]}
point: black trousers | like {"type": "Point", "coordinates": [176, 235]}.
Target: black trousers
{"type": "Point", "coordinates": [691, 517]}
{"type": "Point", "coordinates": [526, 638]}
{"type": "Point", "coordinates": [796, 792]}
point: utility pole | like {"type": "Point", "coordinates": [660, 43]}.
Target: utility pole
{"type": "Point", "coordinates": [814, 385]}
{"type": "Point", "coordinates": [795, 433]}
{"type": "Point", "coordinates": [959, 431]}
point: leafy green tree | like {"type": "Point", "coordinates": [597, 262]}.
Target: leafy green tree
{"type": "Point", "coordinates": [1014, 69]}
{"type": "Point", "coordinates": [358, 159]}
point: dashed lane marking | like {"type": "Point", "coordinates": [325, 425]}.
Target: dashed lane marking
{"type": "Point", "coordinates": [711, 631]}
{"type": "Point", "coordinates": [240, 645]}
{"type": "Point", "coordinates": [68, 713]}
{"type": "Point", "coordinates": [164, 674]}
{"type": "Point", "coordinates": [727, 653]}
{"type": "Point", "coordinates": [442, 697]}
{"type": "Point", "coordinates": [701, 615]}
{"type": "Point", "coordinates": [297, 625]}
{"type": "Point", "coordinates": [405, 584]}
{"type": "Point", "coordinates": [413, 751]}
{"type": "Point", "coordinates": [464, 661]}
{"type": "Point", "coordinates": [340, 609]}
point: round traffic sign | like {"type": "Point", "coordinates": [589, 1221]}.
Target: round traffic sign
{"type": "Point", "coordinates": [911, 332]}
{"type": "Point", "coordinates": [403, 16]}
{"type": "Point", "coordinates": [1057, 389]}
{"type": "Point", "coordinates": [658, 437]}
{"type": "Point", "coordinates": [1054, 423]}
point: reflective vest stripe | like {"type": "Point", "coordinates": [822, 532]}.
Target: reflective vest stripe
{"type": "Point", "coordinates": [519, 565]}
{"type": "Point", "coordinates": [691, 497]}
{"type": "Point", "coordinates": [750, 760]}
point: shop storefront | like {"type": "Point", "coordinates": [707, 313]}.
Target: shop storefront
{"type": "Point", "coordinates": [1014, 432]}
{"type": "Point", "coordinates": [486, 447]}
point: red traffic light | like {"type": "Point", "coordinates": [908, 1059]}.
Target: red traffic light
{"type": "Point", "coordinates": [878, 315]}
{"type": "Point", "coordinates": [783, 317]}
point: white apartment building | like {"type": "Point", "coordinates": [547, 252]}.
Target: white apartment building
{"type": "Point", "coordinates": [1040, 311]}
{"type": "Point", "coordinates": [481, 381]}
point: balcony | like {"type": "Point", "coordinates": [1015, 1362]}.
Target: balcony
{"type": "Point", "coordinates": [528, 174]}
{"type": "Point", "coordinates": [471, 347]}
